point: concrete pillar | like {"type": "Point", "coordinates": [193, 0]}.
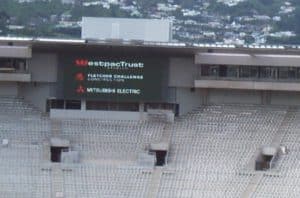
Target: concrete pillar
{"type": "Point", "coordinates": [141, 107]}
{"type": "Point", "coordinates": [83, 105]}
{"type": "Point", "coordinates": [204, 94]}
{"type": "Point", "coordinates": [141, 111]}
{"type": "Point", "coordinates": [265, 97]}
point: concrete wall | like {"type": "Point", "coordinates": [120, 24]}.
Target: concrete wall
{"type": "Point", "coordinates": [43, 67]}
{"type": "Point", "coordinates": [8, 89]}
{"type": "Point", "coordinates": [15, 77]}
{"type": "Point", "coordinates": [248, 85]}
{"type": "Point", "coordinates": [188, 100]}
{"type": "Point", "coordinates": [89, 114]}
{"type": "Point", "coordinates": [37, 93]}
{"type": "Point", "coordinates": [183, 72]}
{"type": "Point", "coordinates": [285, 98]}
{"type": "Point", "coordinates": [15, 51]}
{"type": "Point", "coordinates": [248, 59]}
{"type": "Point", "coordinates": [221, 96]}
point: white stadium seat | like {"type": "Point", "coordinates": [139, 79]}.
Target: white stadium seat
{"type": "Point", "coordinates": [211, 148]}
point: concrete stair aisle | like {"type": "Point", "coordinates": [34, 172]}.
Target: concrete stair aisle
{"type": "Point", "coordinates": [252, 186]}
{"type": "Point", "coordinates": [56, 128]}
{"type": "Point", "coordinates": [282, 130]}
{"type": "Point", "coordinates": [155, 183]}
{"type": "Point", "coordinates": [57, 186]}
{"type": "Point", "coordinates": [276, 141]}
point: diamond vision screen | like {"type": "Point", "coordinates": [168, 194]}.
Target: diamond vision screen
{"type": "Point", "coordinates": [115, 78]}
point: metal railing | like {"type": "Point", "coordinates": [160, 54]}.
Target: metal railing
{"type": "Point", "coordinates": [288, 80]}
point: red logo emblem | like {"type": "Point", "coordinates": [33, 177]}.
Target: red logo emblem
{"type": "Point", "coordinates": [81, 62]}
{"type": "Point", "coordinates": [80, 89]}
{"type": "Point", "coordinates": [79, 77]}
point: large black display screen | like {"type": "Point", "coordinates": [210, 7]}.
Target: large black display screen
{"type": "Point", "coordinates": [115, 78]}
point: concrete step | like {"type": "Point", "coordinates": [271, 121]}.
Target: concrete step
{"type": "Point", "coordinates": [155, 183]}
{"type": "Point", "coordinates": [57, 186]}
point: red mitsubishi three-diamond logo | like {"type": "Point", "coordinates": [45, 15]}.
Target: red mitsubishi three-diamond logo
{"type": "Point", "coordinates": [80, 89]}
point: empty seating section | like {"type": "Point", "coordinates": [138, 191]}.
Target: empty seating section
{"type": "Point", "coordinates": [223, 137]}
{"type": "Point", "coordinates": [22, 167]}
{"type": "Point", "coordinates": [20, 173]}
{"type": "Point", "coordinates": [97, 139]}
{"type": "Point", "coordinates": [107, 181]}
{"type": "Point", "coordinates": [16, 107]}
{"type": "Point", "coordinates": [282, 186]}
{"type": "Point", "coordinates": [19, 122]}
{"type": "Point", "coordinates": [218, 142]}
{"type": "Point", "coordinates": [286, 184]}
{"type": "Point", "coordinates": [291, 130]}
{"type": "Point", "coordinates": [211, 149]}
{"type": "Point", "coordinates": [181, 184]}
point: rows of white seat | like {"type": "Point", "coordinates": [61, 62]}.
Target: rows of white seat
{"type": "Point", "coordinates": [210, 148]}
{"type": "Point", "coordinates": [10, 106]}
{"type": "Point", "coordinates": [218, 140]}
{"type": "Point", "coordinates": [24, 130]}
{"type": "Point", "coordinates": [288, 164]}
{"type": "Point", "coordinates": [19, 122]}
{"type": "Point", "coordinates": [230, 142]}
{"type": "Point", "coordinates": [31, 182]}
{"type": "Point", "coordinates": [199, 184]}
{"type": "Point", "coordinates": [278, 187]}
{"type": "Point", "coordinates": [288, 182]}
{"type": "Point", "coordinates": [20, 172]}
{"type": "Point", "coordinates": [106, 181]}
{"type": "Point", "coordinates": [111, 139]}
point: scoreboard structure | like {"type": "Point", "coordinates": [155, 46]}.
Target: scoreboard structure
{"type": "Point", "coordinates": [115, 78]}
{"type": "Point", "coordinates": [97, 76]}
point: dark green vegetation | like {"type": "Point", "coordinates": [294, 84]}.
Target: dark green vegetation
{"type": "Point", "coordinates": [268, 7]}
{"type": "Point", "coordinates": [42, 18]}
{"type": "Point", "coordinates": [54, 19]}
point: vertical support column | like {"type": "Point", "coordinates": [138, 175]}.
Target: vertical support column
{"type": "Point", "coordinates": [268, 97]}
{"type": "Point", "coordinates": [204, 93]}
{"type": "Point", "coordinates": [262, 97]}
{"type": "Point", "coordinates": [141, 111]}
{"type": "Point", "coordinates": [265, 97]}
{"type": "Point", "coordinates": [83, 105]}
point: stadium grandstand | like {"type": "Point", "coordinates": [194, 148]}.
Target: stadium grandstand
{"type": "Point", "coordinates": [140, 119]}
